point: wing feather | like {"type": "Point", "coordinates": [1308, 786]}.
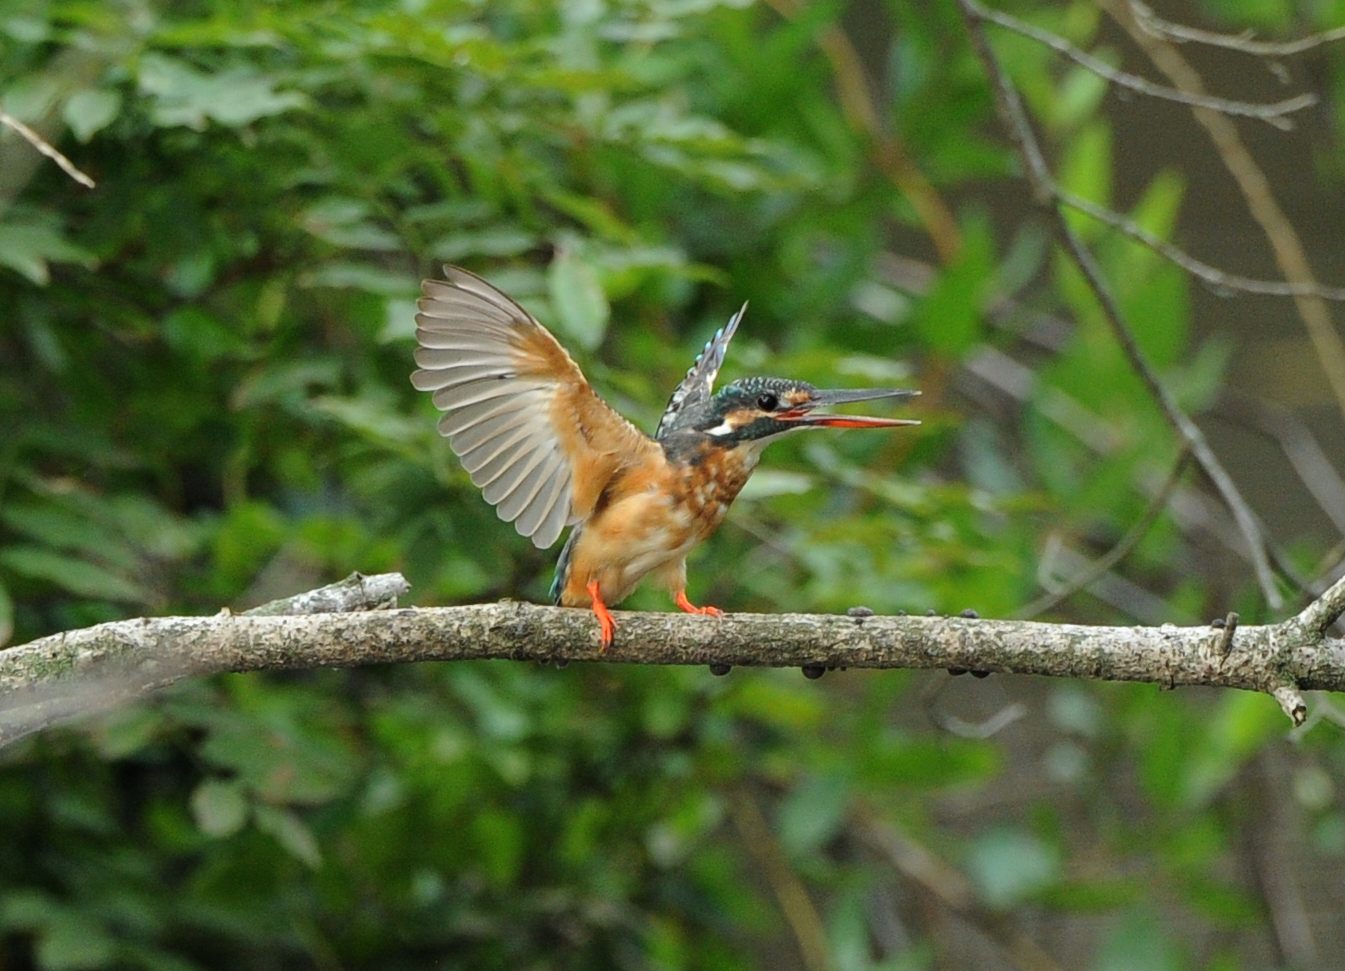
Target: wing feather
{"type": "Point", "coordinates": [557, 516]}
{"type": "Point", "coordinates": [517, 489]}
{"type": "Point", "coordinates": [482, 441]}
{"type": "Point", "coordinates": [527, 426]}
{"type": "Point", "coordinates": [699, 382]}
{"type": "Point", "coordinates": [535, 510]}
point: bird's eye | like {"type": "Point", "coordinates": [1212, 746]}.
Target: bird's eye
{"type": "Point", "coordinates": [768, 402]}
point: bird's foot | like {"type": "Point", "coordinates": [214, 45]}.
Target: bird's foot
{"type": "Point", "coordinates": [604, 616]}
{"type": "Point", "coordinates": [686, 605]}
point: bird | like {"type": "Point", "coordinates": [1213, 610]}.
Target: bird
{"type": "Point", "coordinates": [548, 453]}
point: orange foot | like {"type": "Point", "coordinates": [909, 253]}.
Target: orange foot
{"type": "Point", "coordinates": [604, 617]}
{"type": "Point", "coordinates": [682, 601]}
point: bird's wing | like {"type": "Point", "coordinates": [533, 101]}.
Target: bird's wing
{"type": "Point", "coordinates": [699, 382]}
{"type": "Point", "coordinates": [533, 435]}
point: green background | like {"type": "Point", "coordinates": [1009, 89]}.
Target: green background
{"type": "Point", "coordinates": [204, 401]}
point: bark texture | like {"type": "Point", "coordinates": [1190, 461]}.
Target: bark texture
{"type": "Point", "coordinates": [57, 677]}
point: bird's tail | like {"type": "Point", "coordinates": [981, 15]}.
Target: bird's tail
{"type": "Point", "coordinates": [563, 564]}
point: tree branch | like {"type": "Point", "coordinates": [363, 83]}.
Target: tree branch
{"type": "Point", "coordinates": [1290, 254]}
{"type": "Point", "coordinates": [79, 671]}
{"type": "Point", "coordinates": [52, 687]}
{"type": "Point", "coordinates": [355, 592]}
{"type": "Point", "coordinates": [46, 148]}
{"type": "Point", "coordinates": [1103, 564]}
{"type": "Point", "coordinates": [1271, 114]}
{"type": "Point", "coordinates": [1244, 42]}
{"type": "Point", "coordinates": [887, 153]}
{"type": "Point", "coordinates": [1319, 615]}
{"type": "Point", "coordinates": [1219, 280]}
{"type": "Point", "coordinates": [1038, 175]}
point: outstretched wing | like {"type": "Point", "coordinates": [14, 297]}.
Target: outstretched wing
{"type": "Point", "coordinates": [699, 382]}
{"type": "Point", "coordinates": [532, 434]}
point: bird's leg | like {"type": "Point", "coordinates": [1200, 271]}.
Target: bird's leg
{"type": "Point", "coordinates": [604, 617]}
{"type": "Point", "coordinates": [680, 598]}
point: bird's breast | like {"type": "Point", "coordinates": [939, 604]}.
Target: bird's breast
{"type": "Point", "coordinates": [713, 481]}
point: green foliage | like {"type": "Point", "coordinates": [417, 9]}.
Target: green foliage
{"type": "Point", "coordinates": [204, 402]}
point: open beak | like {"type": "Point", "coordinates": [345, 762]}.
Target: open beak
{"type": "Point", "coordinates": [805, 414]}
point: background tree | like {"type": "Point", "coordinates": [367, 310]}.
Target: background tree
{"type": "Point", "coordinates": [205, 401]}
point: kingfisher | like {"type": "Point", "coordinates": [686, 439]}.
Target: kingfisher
{"type": "Point", "coordinates": [548, 453]}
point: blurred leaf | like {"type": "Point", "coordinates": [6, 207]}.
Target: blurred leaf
{"type": "Point", "coordinates": [581, 306]}
{"type": "Point", "coordinates": [812, 812]}
{"type": "Point", "coordinates": [767, 482]}
{"type": "Point", "coordinates": [78, 576]}
{"type": "Point", "coordinates": [486, 241]}
{"type": "Point", "coordinates": [89, 112]}
{"type": "Point", "coordinates": [926, 763]}
{"type": "Point", "coordinates": [1081, 93]}
{"type": "Point", "coordinates": [1010, 866]}
{"type": "Point", "coordinates": [30, 247]}
{"type": "Point", "coordinates": [280, 760]}
{"type": "Point", "coordinates": [499, 838]}
{"type": "Point", "coordinates": [1139, 941]}
{"type": "Point", "coordinates": [949, 318]}
{"type": "Point", "coordinates": [25, 909]}
{"type": "Point", "coordinates": [1241, 722]}
{"type": "Point", "coordinates": [347, 223]}
{"type": "Point", "coordinates": [1086, 170]}
{"type": "Point", "coordinates": [183, 95]}
{"type": "Point", "coordinates": [219, 807]}
{"type": "Point", "coordinates": [70, 940]}
{"type": "Point", "coordinates": [358, 276]}
{"type": "Point", "coordinates": [290, 832]}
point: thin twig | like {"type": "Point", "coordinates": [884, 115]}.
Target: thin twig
{"type": "Point", "coordinates": [1290, 255]}
{"type": "Point", "coordinates": [1014, 116]}
{"type": "Point", "coordinates": [1219, 279]}
{"type": "Point", "coordinates": [1317, 616]}
{"type": "Point", "coordinates": [1288, 432]}
{"type": "Point", "coordinates": [1272, 114]}
{"type": "Point", "coordinates": [1244, 42]}
{"type": "Point", "coordinates": [1121, 550]}
{"type": "Point", "coordinates": [1328, 564]}
{"type": "Point", "coordinates": [886, 151]}
{"type": "Point", "coordinates": [46, 148]}
{"type": "Point", "coordinates": [356, 592]}
{"type": "Point", "coordinates": [809, 931]}
{"type": "Point", "coordinates": [952, 888]}
{"type": "Point", "coordinates": [1228, 627]}
{"type": "Point", "coordinates": [1291, 703]}
{"type": "Point", "coordinates": [987, 728]}
{"type": "Point", "coordinates": [1192, 509]}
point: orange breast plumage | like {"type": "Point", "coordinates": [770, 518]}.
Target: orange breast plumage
{"type": "Point", "coordinates": [712, 480]}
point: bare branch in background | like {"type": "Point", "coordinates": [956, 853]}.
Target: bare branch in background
{"type": "Point", "coordinates": [46, 148]}
{"type": "Point", "coordinates": [1245, 42]}
{"type": "Point", "coordinates": [810, 933]}
{"type": "Point", "coordinates": [953, 890]}
{"type": "Point", "coordinates": [1220, 280]}
{"type": "Point", "coordinates": [886, 152]}
{"type": "Point", "coordinates": [1157, 503]}
{"type": "Point", "coordinates": [1290, 254]}
{"type": "Point", "coordinates": [1272, 114]}
{"type": "Point", "coordinates": [1291, 435]}
{"type": "Point", "coordinates": [1038, 174]}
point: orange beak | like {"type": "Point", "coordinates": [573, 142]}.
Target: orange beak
{"type": "Point", "coordinates": [804, 415]}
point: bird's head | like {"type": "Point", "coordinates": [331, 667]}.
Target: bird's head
{"type": "Point", "coordinates": [755, 410]}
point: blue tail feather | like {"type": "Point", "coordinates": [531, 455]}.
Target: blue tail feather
{"type": "Point", "coordinates": [563, 565]}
